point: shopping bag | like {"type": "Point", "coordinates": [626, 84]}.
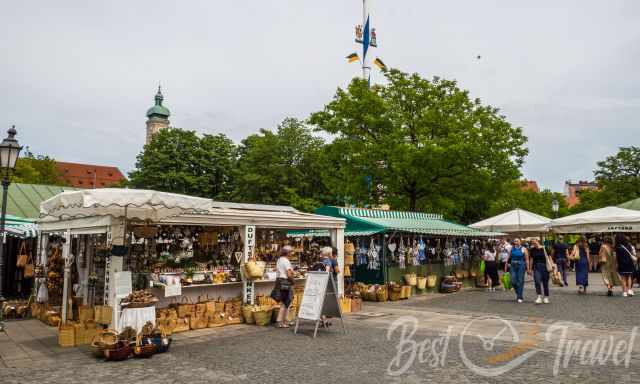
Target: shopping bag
{"type": "Point", "coordinates": [23, 256]}
{"type": "Point", "coordinates": [506, 280]}
{"type": "Point", "coordinates": [482, 267]}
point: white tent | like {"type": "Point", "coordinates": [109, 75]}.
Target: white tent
{"type": "Point", "coordinates": [608, 219]}
{"type": "Point", "coordinates": [116, 202]}
{"type": "Point", "coordinates": [516, 221]}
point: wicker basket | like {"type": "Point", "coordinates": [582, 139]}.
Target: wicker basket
{"type": "Point", "coordinates": [67, 335]}
{"type": "Point", "coordinates": [216, 319]}
{"type": "Point", "coordinates": [85, 313]}
{"type": "Point", "coordinates": [103, 314]}
{"type": "Point", "coordinates": [431, 281]}
{"type": "Point", "coordinates": [185, 307]}
{"type": "Point", "coordinates": [381, 294]}
{"type": "Point", "coordinates": [144, 348]}
{"type": "Point", "coordinates": [421, 283]}
{"type": "Point", "coordinates": [262, 316]}
{"type": "Point", "coordinates": [247, 313]}
{"type": "Point", "coordinates": [406, 292]}
{"type": "Point", "coordinates": [395, 293]}
{"type": "Point", "coordinates": [345, 304]}
{"type": "Point", "coordinates": [120, 351]}
{"type": "Point", "coordinates": [411, 279]}
{"type": "Point", "coordinates": [253, 269]}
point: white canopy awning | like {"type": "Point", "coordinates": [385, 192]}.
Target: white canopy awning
{"type": "Point", "coordinates": [117, 202]}
{"type": "Point", "coordinates": [608, 219]}
{"type": "Point", "coordinates": [259, 218]}
{"type": "Point", "coordinates": [516, 221]}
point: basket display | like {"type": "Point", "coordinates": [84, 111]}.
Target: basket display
{"type": "Point", "coordinates": [450, 284]}
{"type": "Point", "coordinates": [395, 292]}
{"type": "Point", "coordinates": [105, 339]}
{"type": "Point", "coordinates": [103, 314]}
{"type": "Point", "coordinates": [431, 281]}
{"type": "Point", "coordinates": [421, 283]}
{"type": "Point", "coordinates": [85, 313]}
{"type": "Point", "coordinates": [185, 307]}
{"type": "Point", "coordinates": [406, 292]}
{"type": "Point", "coordinates": [381, 294]}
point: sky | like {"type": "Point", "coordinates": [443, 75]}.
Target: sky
{"type": "Point", "coordinates": [76, 78]}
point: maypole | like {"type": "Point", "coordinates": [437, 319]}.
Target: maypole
{"type": "Point", "coordinates": [365, 35]}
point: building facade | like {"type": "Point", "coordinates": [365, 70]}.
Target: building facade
{"type": "Point", "coordinates": [572, 190]}
{"type": "Point", "coordinates": [88, 175]}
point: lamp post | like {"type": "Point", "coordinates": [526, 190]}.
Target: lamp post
{"type": "Point", "coordinates": [555, 207]}
{"type": "Point", "coordinates": [9, 152]}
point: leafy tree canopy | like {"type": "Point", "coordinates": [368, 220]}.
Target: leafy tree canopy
{"type": "Point", "coordinates": [282, 167]}
{"type": "Point", "coordinates": [36, 169]}
{"type": "Point", "coordinates": [419, 144]}
{"type": "Point", "coordinates": [180, 161]}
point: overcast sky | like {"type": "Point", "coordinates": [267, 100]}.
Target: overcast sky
{"type": "Point", "coordinates": [77, 77]}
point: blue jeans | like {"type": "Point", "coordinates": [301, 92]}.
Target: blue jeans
{"type": "Point", "coordinates": [541, 278]}
{"type": "Point", "coordinates": [517, 277]}
{"type": "Point", "coordinates": [562, 268]}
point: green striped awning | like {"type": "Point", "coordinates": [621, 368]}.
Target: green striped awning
{"type": "Point", "coordinates": [20, 227]}
{"type": "Point", "coordinates": [325, 233]}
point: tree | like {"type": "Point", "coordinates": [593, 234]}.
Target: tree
{"type": "Point", "coordinates": [282, 168]}
{"type": "Point", "coordinates": [618, 177]}
{"type": "Point", "coordinates": [419, 144]}
{"type": "Point", "coordinates": [36, 169]}
{"type": "Point", "coordinates": [537, 202]}
{"type": "Point", "coordinates": [179, 161]}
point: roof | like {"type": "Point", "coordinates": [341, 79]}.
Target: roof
{"type": "Point", "coordinates": [24, 199]}
{"type": "Point", "coordinates": [607, 219]}
{"type": "Point", "coordinates": [20, 227]}
{"type": "Point", "coordinates": [158, 109]}
{"type": "Point", "coordinates": [514, 221]}
{"type": "Point", "coordinates": [89, 175]}
{"type": "Point", "coordinates": [373, 220]}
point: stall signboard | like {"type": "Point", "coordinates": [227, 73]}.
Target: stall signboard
{"type": "Point", "coordinates": [319, 299]}
{"type": "Point", "coordinates": [248, 286]}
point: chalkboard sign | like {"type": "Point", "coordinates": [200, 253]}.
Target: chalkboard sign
{"type": "Point", "coordinates": [319, 299]}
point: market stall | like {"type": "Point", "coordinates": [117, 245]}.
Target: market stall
{"type": "Point", "coordinates": [405, 248]}
{"type": "Point", "coordinates": [603, 220]}
{"type": "Point", "coordinates": [516, 222]}
{"type": "Point", "coordinates": [134, 249]}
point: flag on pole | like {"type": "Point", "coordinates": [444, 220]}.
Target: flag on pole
{"type": "Point", "coordinates": [366, 39]}
{"type": "Point", "coordinates": [380, 63]}
{"type": "Point", "coordinates": [353, 57]}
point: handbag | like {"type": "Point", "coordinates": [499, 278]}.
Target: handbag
{"type": "Point", "coordinates": [23, 256]}
{"type": "Point", "coordinates": [549, 262]}
{"type": "Point", "coordinates": [482, 267]}
{"type": "Point", "coordinates": [633, 257]}
{"type": "Point", "coordinates": [29, 269]}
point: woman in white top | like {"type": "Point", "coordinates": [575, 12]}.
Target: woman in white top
{"type": "Point", "coordinates": [283, 291]}
{"type": "Point", "coordinates": [491, 268]}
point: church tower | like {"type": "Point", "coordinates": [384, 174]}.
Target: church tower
{"type": "Point", "coordinates": [157, 117]}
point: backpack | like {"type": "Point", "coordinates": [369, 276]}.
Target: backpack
{"type": "Point", "coordinates": [319, 267]}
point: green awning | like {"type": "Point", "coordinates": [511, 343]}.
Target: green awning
{"type": "Point", "coordinates": [633, 204]}
{"type": "Point", "coordinates": [325, 233]}
{"type": "Point", "coordinates": [24, 200]}
{"type": "Point", "coordinates": [20, 227]}
{"type": "Point", "coordinates": [375, 221]}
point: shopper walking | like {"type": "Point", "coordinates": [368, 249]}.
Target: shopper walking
{"type": "Point", "coordinates": [608, 266]}
{"type": "Point", "coordinates": [504, 250]}
{"type": "Point", "coordinates": [491, 268]}
{"type": "Point", "coordinates": [284, 285]}
{"type": "Point", "coordinates": [540, 271]}
{"type": "Point", "coordinates": [626, 258]}
{"type": "Point", "coordinates": [518, 263]}
{"type": "Point", "coordinates": [559, 255]}
{"type": "Point", "coordinates": [580, 255]}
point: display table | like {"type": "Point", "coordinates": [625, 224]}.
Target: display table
{"type": "Point", "coordinates": [136, 318]}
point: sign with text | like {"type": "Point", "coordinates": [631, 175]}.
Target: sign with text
{"type": "Point", "coordinates": [319, 299]}
{"type": "Point", "coordinates": [122, 283]}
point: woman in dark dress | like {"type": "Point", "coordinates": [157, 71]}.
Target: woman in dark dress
{"type": "Point", "coordinates": [580, 255]}
{"type": "Point", "coordinates": [540, 271]}
{"type": "Point", "coordinates": [625, 255]}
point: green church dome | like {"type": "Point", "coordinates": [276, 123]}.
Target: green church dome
{"type": "Point", "coordinates": [159, 110]}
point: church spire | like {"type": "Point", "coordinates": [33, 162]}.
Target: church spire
{"type": "Point", "coordinates": [159, 96]}
{"type": "Point", "coordinates": [157, 116]}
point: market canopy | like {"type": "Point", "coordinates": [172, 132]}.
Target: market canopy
{"type": "Point", "coordinates": [515, 221]}
{"type": "Point", "coordinates": [20, 227]}
{"type": "Point", "coordinates": [117, 202]}
{"type": "Point", "coordinates": [364, 222]}
{"type": "Point", "coordinates": [633, 204]}
{"type": "Point", "coordinates": [608, 219]}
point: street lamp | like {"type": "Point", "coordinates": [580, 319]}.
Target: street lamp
{"type": "Point", "coordinates": [555, 207]}
{"type": "Point", "coordinates": [9, 152]}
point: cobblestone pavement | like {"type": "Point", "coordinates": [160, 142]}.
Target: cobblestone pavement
{"type": "Point", "coordinates": [368, 353]}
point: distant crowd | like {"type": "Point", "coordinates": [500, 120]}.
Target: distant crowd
{"type": "Point", "coordinates": [615, 258]}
